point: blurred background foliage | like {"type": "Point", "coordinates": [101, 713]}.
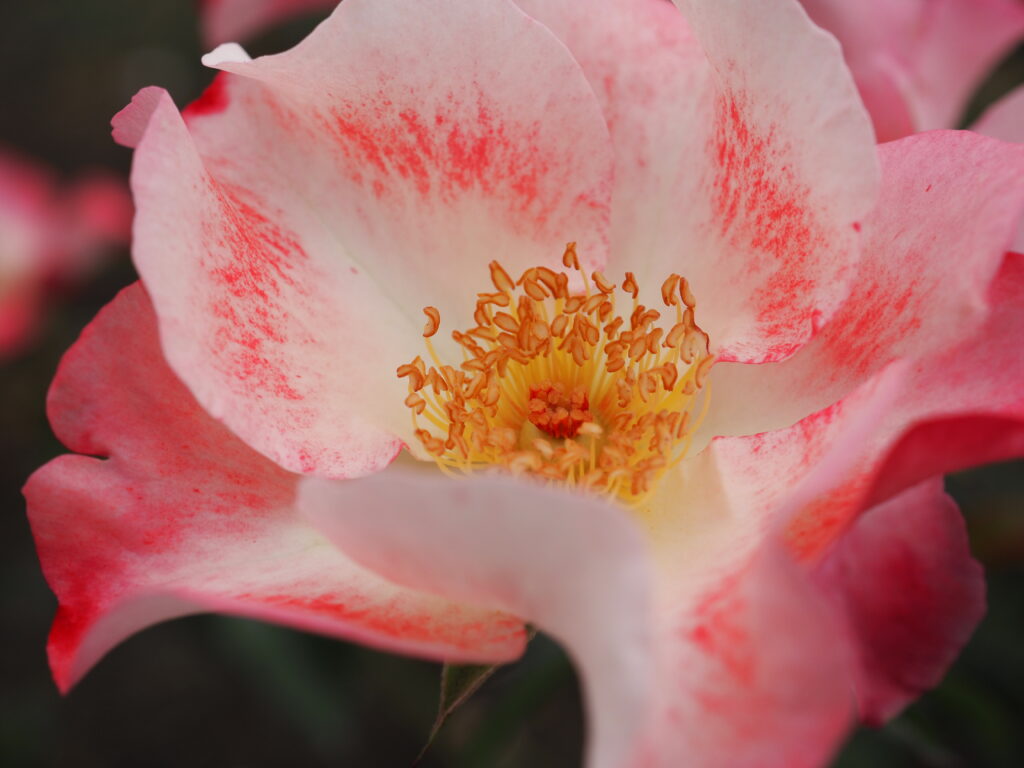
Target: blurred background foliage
{"type": "Point", "coordinates": [213, 691]}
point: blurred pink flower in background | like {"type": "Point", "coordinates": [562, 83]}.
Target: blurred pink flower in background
{"type": "Point", "coordinates": [918, 62]}
{"type": "Point", "coordinates": [722, 581]}
{"type": "Point", "coordinates": [51, 234]}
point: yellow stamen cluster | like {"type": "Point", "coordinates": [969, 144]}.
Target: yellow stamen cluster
{"type": "Point", "coordinates": [555, 383]}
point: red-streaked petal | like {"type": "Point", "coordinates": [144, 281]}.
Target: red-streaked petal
{"type": "Point", "coordinates": [320, 198]}
{"type": "Point", "coordinates": [760, 676]}
{"type": "Point", "coordinates": [911, 592]}
{"type": "Point", "coordinates": [753, 673]}
{"type": "Point", "coordinates": [954, 409]}
{"type": "Point", "coordinates": [740, 164]}
{"type": "Point", "coordinates": [575, 566]}
{"type": "Point", "coordinates": [265, 329]}
{"type": "Point", "coordinates": [183, 517]}
{"type": "Point", "coordinates": [790, 169]}
{"type": "Point", "coordinates": [750, 665]}
{"type": "Point", "coordinates": [950, 204]}
{"type": "Point", "coordinates": [747, 662]}
{"type": "Point", "coordinates": [963, 406]}
{"type": "Point", "coordinates": [424, 167]}
{"type": "Point", "coordinates": [225, 20]}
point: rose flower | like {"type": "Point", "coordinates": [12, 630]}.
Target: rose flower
{"type": "Point", "coordinates": [609, 318]}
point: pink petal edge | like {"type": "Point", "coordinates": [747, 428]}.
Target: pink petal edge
{"type": "Point", "coordinates": [182, 517]}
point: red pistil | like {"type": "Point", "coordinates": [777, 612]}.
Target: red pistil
{"type": "Point", "coordinates": [557, 412]}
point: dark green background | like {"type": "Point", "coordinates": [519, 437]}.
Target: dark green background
{"type": "Point", "coordinates": [211, 691]}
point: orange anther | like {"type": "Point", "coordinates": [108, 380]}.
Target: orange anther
{"type": "Point", "coordinates": [668, 290]}
{"type": "Point", "coordinates": [501, 299]}
{"type": "Point", "coordinates": [685, 294]}
{"type": "Point", "coordinates": [615, 364]}
{"type": "Point", "coordinates": [637, 347]}
{"type": "Point", "coordinates": [480, 315]}
{"type": "Point", "coordinates": [416, 377]}
{"type": "Point", "coordinates": [612, 329]}
{"type": "Point", "coordinates": [594, 302]}
{"type": "Point", "coordinates": [589, 331]}
{"type": "Point", "coordinates": [602, 283]}
{"type": "Point", "coordinates": [703, 369]}
{"type": "Point", "coordinates": [562, 280]}
{"type": "Point", "coordinates": [675, 335]}
{"type": "Point", "coordinates": [433, 321]}
{"type": "Point", "coordinates": [534, 290]}
{"type": "Point", "coordinates": [508, 340]}
{"type": "Point", "coordinates": [569, 258]}
{"type": "Point", "coordinates": [506, 322]}
{"type": "Point", "coordinates": [500, 278]}
{"type": "Point", "coordinates": [550, 279]}
{"type": "Point", "coordinates": [669, 374]}
{"type": "Point", "coordinates": [416, 402]}
{"type": "Point", "coordinates": [629, 285]}
{"type": "Point", "coordinates": [579, 353]}
{"type": "Point", "coordinates": [653, 338]}
{"type": "Point", "coordinates": [558, 325]}
{"type": "Point", "coordinates": [573, 304]}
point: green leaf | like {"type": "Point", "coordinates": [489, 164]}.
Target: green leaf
{"type": "Point", "coordinates": [458, 683]}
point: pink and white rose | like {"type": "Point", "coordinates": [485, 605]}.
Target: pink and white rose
{"type": "Point", "coordinates": [797, 567]}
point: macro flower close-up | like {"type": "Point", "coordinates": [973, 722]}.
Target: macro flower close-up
{"type": "Point", "coordinates": [610, 320]}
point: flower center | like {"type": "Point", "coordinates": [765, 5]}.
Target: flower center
{"type": "Point", "coordinates": [555, 383]}
{"type": "Point", "coordinates": [557, 412]}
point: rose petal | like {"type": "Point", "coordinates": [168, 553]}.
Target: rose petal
{"type": "Point", "coordinates": [788, 169]}
{"type": "Point", "coordinates": [912, 594]}
{"type": "Point", "coordinates": [761, 675]}
{"type": "Point", "coordinates": [491, 147]}
{"type": "Point", "coordinates": [727, 675]}
{"type": "Point", "coordinates": [578, 569]}
{"type": "Point", "coordinates": [740, 164]}
{"type": "Point", "coordinates": [964, 406]}
{"type": "Point", "coordinates": [318, 201]}
{"type": "Point", "coordinates": [263, 328]}
{"type": "Point", "coordinates": [950, 203]}
{"type": "Point", "coordinates": [753, 673]}
{"type": "Point", "coordinates": [575, 566]}
{"type": "Point", "coordinates": [183, 518]}
{"type": "Point", "coordinates": [935, 52]}
{"type": "Point", "coordinates": [963, 41]}
{"type": "Point", "coordinates": [956, 408]}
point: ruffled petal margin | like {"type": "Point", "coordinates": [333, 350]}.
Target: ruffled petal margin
{"type": "Point", "coordinates": [181, 517]}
